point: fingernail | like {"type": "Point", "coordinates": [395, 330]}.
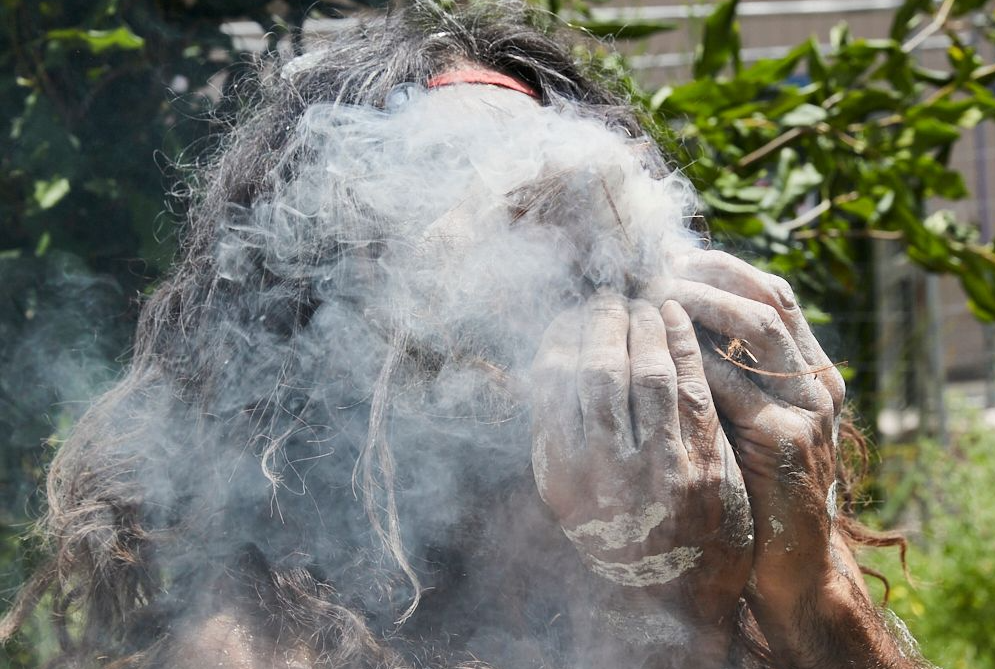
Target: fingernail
{"type": "Point", "coordinates": [673, 314]}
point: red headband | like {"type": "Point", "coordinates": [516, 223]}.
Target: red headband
{"type": "Point", "coordinates": [481, 76]}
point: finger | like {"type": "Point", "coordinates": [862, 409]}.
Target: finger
{"type": "Point", "coordinates": [765, 429]}
{"type": "Point", "coordinates": [736, 276]}
{"type": "Point", "coordinates": [603, 377]}
{"type": "Point", "coordinates": [558, 436]}
{"type": "Point", "coordinates": [765, 336]}
{"type": "Point", "coordinates": [701, 433]}
{"type": "Point", "coordinates": [653, 388]}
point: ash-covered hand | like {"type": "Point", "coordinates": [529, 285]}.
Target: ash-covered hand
{"type": "Point", "coordinates": [784, 417]}
{"type": "Point", "coordinates": [807, 594]}
{"type": "Point", "coordinates": [629, 455]}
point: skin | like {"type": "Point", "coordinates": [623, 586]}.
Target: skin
{"type": "Point", "coordinates": [594, 461]}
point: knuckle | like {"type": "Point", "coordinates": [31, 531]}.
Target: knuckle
{"type": "Point", "coordinates": [711, 257]}
{"type": "Point", "coordinates": [608, 305]}
{"type": "Point", "coordinates": [600, 376]}
{"type": "Point", "coordinates": [770, 322]}
{"type": "Point", "coordinates": [824, 406]}
{"type": "Point", "coordinates": [684, 349]}
{"type": "Point", "coordinates": [653, 375]}
{"type": "Point", "coordinates": [782, 293]}
{"type": "Point", "coordinates": [646, 320]}
{"type": "Point", "coordinates": [694, 396]}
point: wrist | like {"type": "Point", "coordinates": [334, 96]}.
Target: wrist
{"type": "Point", "coordinates": [830, 623]}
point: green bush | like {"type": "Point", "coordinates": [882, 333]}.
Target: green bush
{"type": "Point", "coordinates": [949, 603]}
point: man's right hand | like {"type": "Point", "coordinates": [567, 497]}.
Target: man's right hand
{"type": "Point", "coordinates": [807, 593]}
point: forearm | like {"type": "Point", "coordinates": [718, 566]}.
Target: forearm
{"type": "Point", "coordinates": [832, 624]}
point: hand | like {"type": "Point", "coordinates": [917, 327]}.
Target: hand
{"type": "Point", "coordinates": [629, 455]}
{"type": "Point", "coordinates": [784, 421]}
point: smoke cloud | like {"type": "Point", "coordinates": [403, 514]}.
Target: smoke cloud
{"type": "Point", "coordinates": [398, 278]}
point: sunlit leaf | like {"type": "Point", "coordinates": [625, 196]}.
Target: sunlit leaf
{"type": "Point", "coordinates": [48, 193]}
{"type": "Point", "coordinates": [804, 115]}
{"type": "Point", "coordinates": [716, 202]}
{"type": "Point", "coordinates": [99, 41]}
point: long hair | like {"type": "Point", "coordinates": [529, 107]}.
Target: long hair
{"type": "Point", "coordinates": [217, 418]}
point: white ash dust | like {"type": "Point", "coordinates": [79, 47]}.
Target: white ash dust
{"type": "Point", "coordinates": [650, 570]}
{"type": "Point", "coordinates": [621, 530]}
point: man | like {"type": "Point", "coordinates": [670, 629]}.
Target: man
{"type": "Point", "coordinates": [438, 382]}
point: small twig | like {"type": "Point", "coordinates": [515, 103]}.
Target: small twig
{"type": "Point", "coordinates": [809, 216]}
{"type": "Point", "coordinates": [818, 210]}
{"type": "Point", "coordinates": [935, 24]}
{"type": "Point", "coordinates": [611, 203]}
{"type": "Point", "coordinates": [770, 147]}
{"type": "Point", "coordinates": [737, 343]}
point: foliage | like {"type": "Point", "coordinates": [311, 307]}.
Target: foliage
{"type": "Point", "coordinates": [101, 98]}
{"type": "Point", "coordinates": [950, 602]}
{"type": "Point", "coordinates": [809, 155]}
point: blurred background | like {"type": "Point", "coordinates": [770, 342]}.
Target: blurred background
{"type": "Point", "coordinates": [846, 145]}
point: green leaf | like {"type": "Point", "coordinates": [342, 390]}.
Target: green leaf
{"type": "Point", "coordinates": [624, 29]}
{"type": "Point", "coordinates": [773, 71]}
{"type": "Point", "coordinates": [864, 207]}
{"type": "Point", "coordinates": [930, 132]}
{"type": "Point", "coordinates": [817, 68]}
{"type": "Point", "coordinates": [99, 41]}
{"type": "Point", "coordinates": [839, 36]}
{"type": "Point", "coordinates": [977, 279]}
{"type": "Point", "coordinates": [930, 76]}
{"type": "Point", "coordinates": [790, 97]}
{"type": "Point", "coordinates": [800, 181]}
{"type": "Point", "coordinates": [962, 7]}
{"type": "Point", "coordinates": [903, 21]}
{"type": "Point", "coordinates": [804, 115]}
{"type": "Point", "coordinates": [858, 104]}
{"type": "Point", "coordinates": [815, 316]}
{"type": "Point", "coordinates": [43, 243]}
{"type": "Point", "coordinates": [718, 203]}
{"type": "Point", "coordinates": [48, 193]}
{"type": "Point", "coordinates": [719, 41]}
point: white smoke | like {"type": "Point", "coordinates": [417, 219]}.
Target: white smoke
{"type": "Point", "coordinates": [466, 218]}
{"type": "Point", "coordinates": [463, 214]}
